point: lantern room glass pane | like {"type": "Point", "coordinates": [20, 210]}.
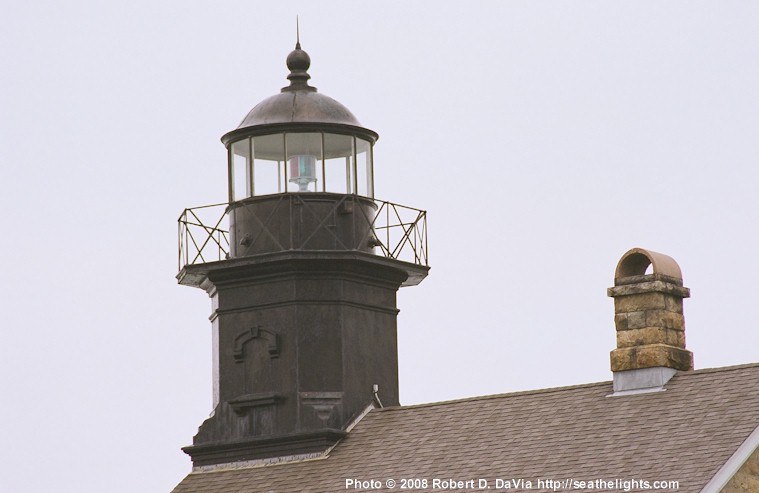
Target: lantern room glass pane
{"type": "Point", "coordinates": [364, 168]}
{"type": "Point", "coordinates": [268, 164]}
{"type": "Point", "coordinates": [300, 162]}
{"type": "Point", "coordinates": [304, 162]}
{"type": "Point", "coordinates": [338, 163]}
{"type": "Point", "coordinates": [240, 170]}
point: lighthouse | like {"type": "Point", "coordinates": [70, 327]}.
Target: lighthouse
{"type": "Point", "coordinates": [302, 265]}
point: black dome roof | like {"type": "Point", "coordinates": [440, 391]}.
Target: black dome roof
{"type": "Point", "coordinates": [297, 105]}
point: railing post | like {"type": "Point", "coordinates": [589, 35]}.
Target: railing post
{"type": "Point", "coordinates": [387, 225]}
{"type": "Point", "coordinates": [426, 247]}
{"type": "Point", "coordinates": [179, 243]}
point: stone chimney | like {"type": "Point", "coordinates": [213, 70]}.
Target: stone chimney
{"type": "Point", "coordinates": [648, 315]}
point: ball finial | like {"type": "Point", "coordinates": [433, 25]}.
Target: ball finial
{"type": "Point", "coordinates": [298, 63]}
{"type": "Point", "coordinates": [298, 60]}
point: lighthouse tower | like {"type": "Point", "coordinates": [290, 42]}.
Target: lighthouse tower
{"type": "Point", "coordinates": [302, 266]}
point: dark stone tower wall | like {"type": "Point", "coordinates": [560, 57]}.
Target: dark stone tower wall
{"type": "Point", "coordinates": [300, 342]}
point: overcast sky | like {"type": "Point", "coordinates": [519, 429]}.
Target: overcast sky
{"type": "Point", "coordinates": [544, 139]}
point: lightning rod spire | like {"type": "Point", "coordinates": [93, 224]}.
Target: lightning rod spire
{"type": "Point", "coordinates": [297, 33]}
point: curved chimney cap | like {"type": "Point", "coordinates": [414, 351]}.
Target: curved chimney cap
{"type": "Point", "coordinates": [636, 261]}
{"type": "Point", "coordinates": [298, 105]}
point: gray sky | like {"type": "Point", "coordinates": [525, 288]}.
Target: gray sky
{"type": "Point", "coordinates": [544, 138]}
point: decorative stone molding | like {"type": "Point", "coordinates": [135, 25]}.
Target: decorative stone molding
{"type": "Point", "coordinates": [256, 332]}
{"type": "Point", "coordinates": [241, 405]}
{"type": "Point", "coordinates": [323, 403]}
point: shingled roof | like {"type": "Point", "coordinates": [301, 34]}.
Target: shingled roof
{"type": "Point", "coordinates": [685, 433]}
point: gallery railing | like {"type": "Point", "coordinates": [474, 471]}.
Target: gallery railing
{"type": "Point", "coordinates": [203, 235]}
{"type": "Point", "coordinates": [395, 231]}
